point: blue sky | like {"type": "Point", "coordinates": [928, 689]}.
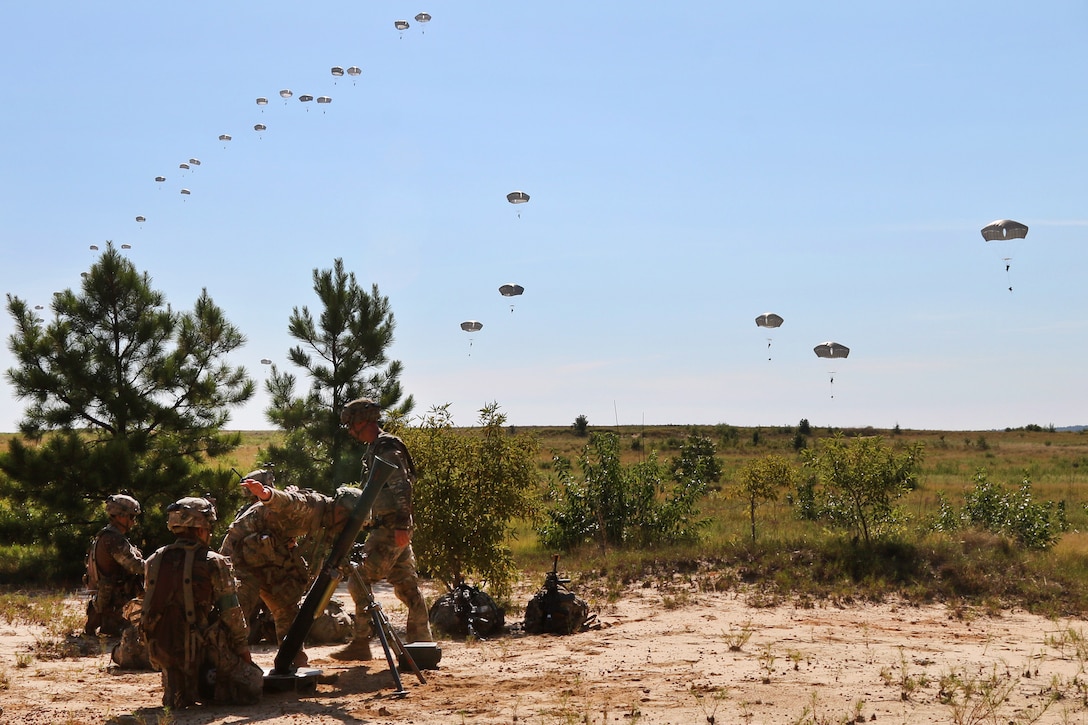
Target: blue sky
{"type": "Point", "coordinates": [690, 166]}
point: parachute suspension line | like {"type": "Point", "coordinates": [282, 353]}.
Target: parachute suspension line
{"type": "Point", "coordinates": [832, 385]}
{"type": "Point", "coordinates": [1008, 275]}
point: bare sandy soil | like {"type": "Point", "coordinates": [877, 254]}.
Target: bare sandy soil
{"type": "Point", "coordinates": [657, 657]}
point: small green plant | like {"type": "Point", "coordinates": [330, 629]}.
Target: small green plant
{"type": "Point", "coordinates": [907, 683]}
{"type": "Point", "coordinates": [796, 656]}
{"type": "Point", "coordinates": [766, 663]}
{"type": "Point", "coordinates": [709, 702]}
{"type": "Point", "coordinates": [736, 638]}
{"type": "Point", "coordinates": [973, 699]}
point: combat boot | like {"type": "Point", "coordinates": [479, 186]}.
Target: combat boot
{"type": "Point", "coordinates": [359, 650]}
{"type": "Point", "coordinates": [94, 620]}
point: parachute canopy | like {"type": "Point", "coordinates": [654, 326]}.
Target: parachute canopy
{"type": "Point", "coordinates": [160, 179]}
{"type": "Point", "coordinates": [286, 93]}
{"type": "Point", "coordinates": [94, 247]}
{"type": "Point", "coordinates": [1004, 229]}
{"type": "Point", "coordinates": [769, 319]}
{"type": "Point", "coordinates": [262, 101]}
{"type": "Point", "coordinates": [355, 70]}
{"type": "Point", "coordinates": [324, 99]}
{"type": "Point", "coordinates": [305, 98]}
{"type": "Point", "coordinates": [472, 326]}
{"type": "Point", "coordinates": [517, 197]}
{"type": "Point", "coordinates": [400, 24]}
{"type": "Point", "coordinates": [224, 137]}
{"type": "Point", "coordinates": [183, 165]}
{"type": "Point", "coordinates": [423, 17]}
{"type": "Point", "coordinates": [265, 361]}
{"type": "Point", "coordinates": [259, 127]}
{"type": "Point", "coordinates": [337, 71]}
{"type": "Point", "coordinates": [141, 219]}
{"type": "Point", "coordinates": [511, 290]}
{"type": "Point", "coordinates": [185, 191]}
{"type": "Point", "coordinates": [194, 162]}
{"type": "Point", "coordinates": [831, 350]}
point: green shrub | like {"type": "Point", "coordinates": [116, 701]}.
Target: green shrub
{"type": "Point", "coordinates": [619, 505]}
{"type": "Point", "coordinates": [992, 507]}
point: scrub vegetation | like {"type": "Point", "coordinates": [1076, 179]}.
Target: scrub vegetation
{"type": "Point", "coordinates": [988, 518]}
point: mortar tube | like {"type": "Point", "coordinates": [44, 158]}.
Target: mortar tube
{"type": "Point", "coordinates": [325, 583]}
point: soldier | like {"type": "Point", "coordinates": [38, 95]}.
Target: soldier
{"type": "Point", "coordinates": [262, 544]}
{"type": "Point", "coordinates": [115, 569]}
{"type": "Point", "coordinates": [387, 553]}
{"type": "Point", "coordinates": [192, 621]}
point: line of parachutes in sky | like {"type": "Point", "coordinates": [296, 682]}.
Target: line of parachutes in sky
{"type": "Point", "coordinates": [1000, 230]}
{"type": "Point", "coordinates": [514, 197]}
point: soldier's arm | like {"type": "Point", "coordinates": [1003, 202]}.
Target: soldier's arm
{"type": "Point", "coordinates": [399, 486]}
{"type": "Point", "coordinates": [226, 601]}
{"type": "Point", "coordinates": [127, 555]}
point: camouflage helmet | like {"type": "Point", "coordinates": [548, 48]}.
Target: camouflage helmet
{"type": "Point", "coordinates": [264, 475]}
{"type": "Point", "coordinates": [361, 410]}
{"type": "Point", "coordinates": [119, 504]}
{"type": "Point", "coordinates": [347, 497]}
{"type": "Point", "coordinates": [190, 512]}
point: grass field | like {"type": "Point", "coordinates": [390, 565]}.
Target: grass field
{"type": "Point", "coordinates": [799, 558]}
{"type": "Point", "coordinates": [1055, 462]}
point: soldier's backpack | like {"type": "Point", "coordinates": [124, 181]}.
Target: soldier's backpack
{"type": "Point", "coordinates": [467, 610]}
{"type": "Point", "coordinates": [334, 625]}
{"type": "Point", "coordinates": [90, 579]}
{"type": "Point", "coordinates": [169, 622]}
{"type": "Point", "coordinates": [131, 652]}
{"type": "Point", "coordinates": [555, 609]}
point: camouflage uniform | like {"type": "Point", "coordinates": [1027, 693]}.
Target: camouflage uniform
{"type": "Point", "coordinates": [382, 558]}
{"type": "Point", "coordinates": [262, 546]}
{"type": "Point", "coordinates": [115, 570]}
{"type": "Point", "coordinates": [192, 621]}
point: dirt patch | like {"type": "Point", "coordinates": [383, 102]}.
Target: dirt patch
{"type": "Point", "coordinates": [715, 659]}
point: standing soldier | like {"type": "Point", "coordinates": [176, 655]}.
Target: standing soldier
{"type": "Point", "coordinates": [262, 544]}
{"type": "Point", "coordinates": [192, 620]}
{"type": "Point", "coordinates": [115, 569]}
{"type": "Point", "coordinates": [387, 553]}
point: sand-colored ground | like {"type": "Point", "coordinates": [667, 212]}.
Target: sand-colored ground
{"type": "Point", "coordinates": [704, 658]}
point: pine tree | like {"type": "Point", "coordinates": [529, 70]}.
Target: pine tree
{"type": "Point", "coordinates": [343, 352]}
{"type": "Point", "coordinates": [125, 395]}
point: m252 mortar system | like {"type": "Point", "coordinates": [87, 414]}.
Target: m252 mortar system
{"type": "Point", "coordinates": [284, 675]}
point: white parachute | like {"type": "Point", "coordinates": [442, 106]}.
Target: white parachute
{"type": "Point", "coordinates": [1005, 230]}
{"type": "Point", "coordinates": [831, 350]}
{"type": "Point", "coordinates": [511, 290]}
{"type": "Point", "coordinates": [516, 198]}
{"type": "Point", "coordinates": [471, 326]}
{"type": "Point", "coordinates": [769, 320]}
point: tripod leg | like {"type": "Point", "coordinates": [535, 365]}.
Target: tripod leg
{"type": "Point", "coordinates": [386, 635]}
{"type": "Point", "coordinates": [380, 625]}
{"type": "Point", "coordinates": [401, 650]}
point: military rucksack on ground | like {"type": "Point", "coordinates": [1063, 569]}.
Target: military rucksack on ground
{"type": "Point", "coordinates": [131, 652]}
{"type": "Point", "coordinates": [466, 610]}
{"type": "Point", "coordinates": [334, 626]}
{"type": "Point", "coordinates": [555, 609]}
